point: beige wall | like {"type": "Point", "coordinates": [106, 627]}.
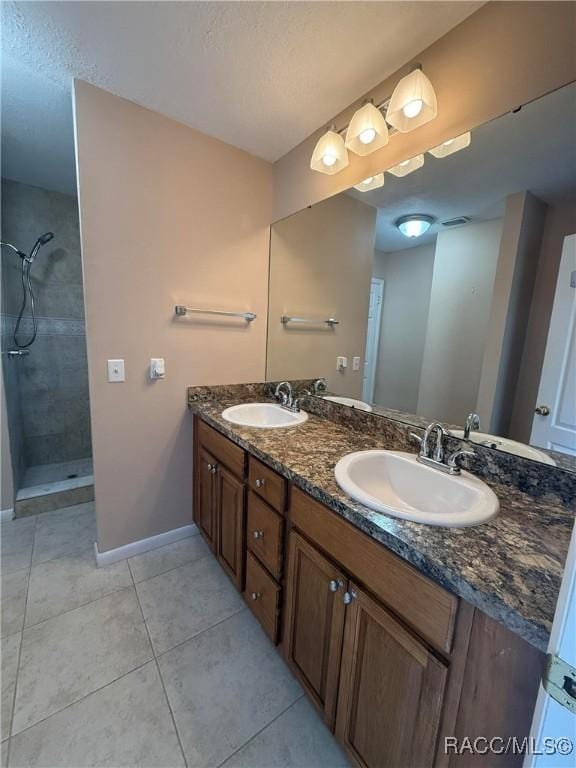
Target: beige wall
{"type": "Point", "coordinates": [513, 288]}
{"type": "Point", "coordinates": [168, 215]}
{"type": "Point", "coordinates": [560, 222]}
{"type": "Point", "coordinates": [465, 263]}
{"type": "Point", "coordinates": [321, 266]}
{"type": "Point", "coordinates": [505, 54]}
{"type": "Point", "coordinates": [407, 276]}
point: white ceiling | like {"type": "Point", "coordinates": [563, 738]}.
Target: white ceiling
{"type": "Point", "coordinates": [533, 149]}
{"type": "Point", "coordinates": [259, 75]}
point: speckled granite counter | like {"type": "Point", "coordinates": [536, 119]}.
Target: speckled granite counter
{"type": "Point", "coordinates": [510, 567]}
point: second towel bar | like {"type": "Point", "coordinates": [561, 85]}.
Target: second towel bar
{"type": "Point", "coordinates": [181, 311]}
{"type": "Point", "coordinates": [286, 319]}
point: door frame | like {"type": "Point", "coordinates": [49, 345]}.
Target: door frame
{"type": "Point", "coordinates": [372, 341]}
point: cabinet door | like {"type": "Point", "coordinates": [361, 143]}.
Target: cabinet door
{"type": "Point", "coordinates": [314, 623]}
{"type": "Point", "coordinates": [206, 498]}
{"type": "Point", "coordinates": [391, 690]}
{"type": "Point", "coordinates": [230, 526]}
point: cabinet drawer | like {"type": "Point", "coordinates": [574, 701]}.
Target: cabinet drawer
{"type": "Point", "coordinates": [424, 605]}
{"type": "Point", "coordinates": [267, 484]}
{"type": "Point", "coordinates": [227, 453]}
{"type": "Point", "coordinates": [265, 534]}
{"type": "Point", "coordinates": [263, 596]}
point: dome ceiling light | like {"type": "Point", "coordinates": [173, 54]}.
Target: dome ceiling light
{"type": "Point", "coordinates": [452, 145]}
{"type": "Point", "coordinates": [415, 225]}
{"type": "Point", "coordinates": [372, 182]}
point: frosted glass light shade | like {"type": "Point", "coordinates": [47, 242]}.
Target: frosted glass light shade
{"type": "Point", "coordinates": [367, 131]}
{"type": "Point", "coordinates": [452, 145]}
{"type": "Point", "coordinates": [372, 182]}
{"type": "Point", "coordinates": [330, 154]}
{"type": "Point", "coordinates": [413, 102]}
{"type": "Point", "coordinates": [415, 225]}
{"type": "Point", "coordinates": [407, 166]}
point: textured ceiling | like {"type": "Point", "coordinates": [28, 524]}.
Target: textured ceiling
{"type": "Point", "coordinates": [534, 149]}
{"type": "Point", "coordinates": [259, 75]}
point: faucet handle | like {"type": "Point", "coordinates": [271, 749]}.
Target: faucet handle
{"type": "Point", "coordinates": [414, 438]}
{"type": "Point", "coordinates": [453, 458]}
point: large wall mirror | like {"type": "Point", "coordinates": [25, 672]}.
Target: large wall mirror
{"type": "Point", "coordinates": [448, 291]}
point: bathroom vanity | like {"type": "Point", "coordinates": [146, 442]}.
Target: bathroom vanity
{"type": "Point", "coordinates": [401, 634]}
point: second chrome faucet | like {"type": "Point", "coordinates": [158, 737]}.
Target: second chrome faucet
{"type": "Point", "coordinates": [436, 458]}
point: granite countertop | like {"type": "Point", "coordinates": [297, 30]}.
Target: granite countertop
{"type": "Point", "coordinates": [510, 567]}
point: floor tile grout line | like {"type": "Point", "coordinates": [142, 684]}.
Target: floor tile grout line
{"type": "Point", "coordinates": [77, 701]}
{"type": "Point", "coordinates": [276, 717]}
{"type": "Point", "coordinates": [77, 607]}
{"type": "Point", "coordinates": [17, 676]}
{"type": "Point", "coordinates": [172, 716]}
{"type": "Point", "coordinates": [175, 568]}
{"type": "Point", "coordinates": [201, 632]}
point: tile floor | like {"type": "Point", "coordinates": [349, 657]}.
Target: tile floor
{"type": "Point", "coordinates": [152, 661]}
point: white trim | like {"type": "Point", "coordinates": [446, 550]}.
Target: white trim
{"type": "Point", "coordinates": [6, 515]}
{"type": "Point", "coordinates": [143, 545]}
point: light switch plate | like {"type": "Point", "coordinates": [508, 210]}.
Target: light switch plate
{"type": "Point", "coordinates": [116, 371]}
{"type": "Point", "coordinates": [341, 363]}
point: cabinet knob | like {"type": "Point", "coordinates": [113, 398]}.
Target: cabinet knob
{"type": "Point", "coordinates": [349, 596]}
{"type": "Point", "coordinates": [214, 468]}
{"type": "Point", "coordinates": [255, 595]}
{"type": "Point", "coordinates": [259, 483]}
{"type": "Point", "coordinates": [542, 410]}
{"type": "Point", "coordinates": [209, 467]}
{"type": "Point", "coordinates": [334, 585]}
{"type": "Point", "coordinates": [258, 534]}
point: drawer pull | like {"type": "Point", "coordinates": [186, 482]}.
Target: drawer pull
{"type": "Point", "coordinates": [255, 595]}
{"type": "Point", "coordinates": [260, 483]}
{"type": "Point", "coordinates": [258, 534]}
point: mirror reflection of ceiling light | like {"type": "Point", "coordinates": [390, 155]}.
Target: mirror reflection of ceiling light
{"type": "Point", "coordinates": [330, 155]}
{"type": "Point", "coordinates": [413, 102]}
{"type": "Point", "coordinates": [407, 166]}
{"type": "Point", "coordinates": [415, 225]}
{"type": "Point", "coordinates": [367, 131]}
{"type": "Point", "coordinates": [372, 182]}
{"type": "Point", "coordinates": [452, 145]}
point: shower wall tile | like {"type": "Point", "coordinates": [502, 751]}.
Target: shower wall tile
{"type": "Point", "coordinates": [48, 398]}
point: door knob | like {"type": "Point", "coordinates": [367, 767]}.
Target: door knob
{"type": "Point", "coordinates": [542, 410]}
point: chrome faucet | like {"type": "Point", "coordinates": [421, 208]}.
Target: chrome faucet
{"type": "Point", "coordinates": [319, 386]}
{"type": "Point", "coordinates": [472, 422]}
{"type": "Point", "coordinates": [285, 396]}
{"type": "Point", "coordinates": [436, 460]}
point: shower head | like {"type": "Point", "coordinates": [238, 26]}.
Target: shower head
{"type": "Point", "coordinates": [42, 240]}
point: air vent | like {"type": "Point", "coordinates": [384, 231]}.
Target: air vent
{"type": "Point", "coordinates": [457, 222]}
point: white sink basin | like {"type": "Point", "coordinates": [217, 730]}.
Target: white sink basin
{"type": "Point", "coordinates": [396, 484]}
{"type": "Point", "coordinates": [360, 405]}
{"type": "Point", "coordinates": [263, 416]}
{"type": "Point", "coordinates": [506, 445]}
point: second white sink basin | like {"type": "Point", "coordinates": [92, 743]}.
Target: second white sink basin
{"type": "Point", "coordinates": [396, 484]}
{"type": "Point", "coordinates": [263, 416]}
{"type": "Point", "coordinates": [506, 445]}
{"type": "Point", "coordinates": [360, 405]}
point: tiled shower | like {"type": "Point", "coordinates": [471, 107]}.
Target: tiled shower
{"type": "Point", "coordinates": [46, 389]}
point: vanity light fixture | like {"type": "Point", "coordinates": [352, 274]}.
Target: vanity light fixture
{"type": "Point", "coordinates": [452, 145]}
{"type": "Point", "coordinates": [407, 166]}
{"type": "Point", "coordinates": [372, 182]}
{"type": "Point", "coordinates": [367, 131]}
{"type": "Point", "coordinates": [415, 225]}
{"type": "Point", "coordinates": [413, 102]}
{"type": "Point", "coordinates": [330, 154]}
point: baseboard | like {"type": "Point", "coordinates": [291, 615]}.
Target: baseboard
{"type": "Point", "coordinates": [144, 545]}
{"type": "Point", "coordinates": [6, 514]}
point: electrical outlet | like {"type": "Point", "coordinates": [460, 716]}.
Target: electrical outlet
{"type": "Point", "coordinates": [356, 363]}
{"type": "Point", "coordinates": [341, 363]}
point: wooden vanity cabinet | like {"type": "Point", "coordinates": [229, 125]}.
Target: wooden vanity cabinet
{"type": "Point", "coordinates": [393, 661]}
{"type": "Point", "coordinates": [220, 498]}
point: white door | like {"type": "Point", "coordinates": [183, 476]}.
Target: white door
{"type": "Point", "coordinates": [553, 734]}
{"type": "Point", "coordinates": [554, 425]}
{"type": "Point", "coordinates": [372, 338]}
